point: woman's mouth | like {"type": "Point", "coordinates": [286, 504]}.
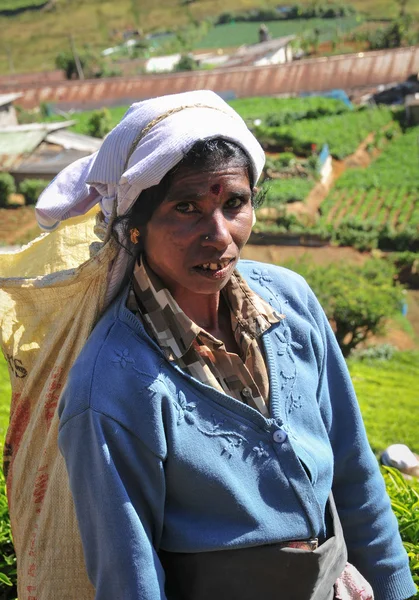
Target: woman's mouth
{"type": "Point", "coordinates": [214, 270]}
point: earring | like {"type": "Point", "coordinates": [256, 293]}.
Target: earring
{"type": "Point", "coordinates": [134, 234]}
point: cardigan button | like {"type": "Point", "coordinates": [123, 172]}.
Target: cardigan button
{"type": "Point", "coordinates": [279, 436]}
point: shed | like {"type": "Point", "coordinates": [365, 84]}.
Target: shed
{"type": "Point", "coordinates": [7, 110]}
{"type": "Point", "coordinates": [42, 150]}
{"type": "Point", "coordinates": [272, 52]}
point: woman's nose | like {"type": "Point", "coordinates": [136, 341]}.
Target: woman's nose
{"type": "Point", "coordinates": [216, 231]}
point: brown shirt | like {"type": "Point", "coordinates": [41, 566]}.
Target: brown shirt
{"type": "Point", "coordinates": [196, 351]}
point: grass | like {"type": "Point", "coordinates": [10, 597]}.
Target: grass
{"type": "Point", "coordinates": [116, 113]}
{"type": "Point", "coordinates": [387, 394]}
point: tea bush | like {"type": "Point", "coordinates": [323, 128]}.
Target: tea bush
{"type": "Point", "coordinates": [342, 133]}
{"type": "Point", "coordinates": [404, 496]}
{"type": "Point", "coordinates": [32, 189]}
{"type": "Point", "coordinates": [7, 187]}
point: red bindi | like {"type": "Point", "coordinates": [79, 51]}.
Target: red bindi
{"type": "Point", "coordinates": [216, 189]}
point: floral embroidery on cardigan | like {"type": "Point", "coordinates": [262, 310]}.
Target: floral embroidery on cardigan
{"type": "Point", "coordinates": [286, 346]}
{"type": "Point", "coordinates": [231, 440]}
{"type": "Point", "coordinates": [184, 409]}
{"type": "Point", "coordinates": [261, 450]}
{"type": "Point", "coordinates": [123, 358]}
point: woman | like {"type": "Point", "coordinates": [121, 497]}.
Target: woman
{"type": "Point", "coordinates": [209, 425]}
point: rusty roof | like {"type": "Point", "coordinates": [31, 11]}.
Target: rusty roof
{"type": "Point", "coordinates": [347, 71]}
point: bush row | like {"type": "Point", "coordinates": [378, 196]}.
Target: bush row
{"type": "Point", "coordinates": [296, 11]}
{"type": "Point", "coordinates": [31, 189]}
{"type": "Point", "coordinates": [281, 191]}
{"type": "Point", "coordinates": [362, 235]}
{"type": "Point", "coordinates": [343, 133]}
{"type": "Point", "coordinates": [274, 112]}
{"type": "Point", "coordinates": [396, 166]}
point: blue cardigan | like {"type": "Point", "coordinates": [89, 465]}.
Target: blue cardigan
{"type": "Point", "coordinates": [157, 459]}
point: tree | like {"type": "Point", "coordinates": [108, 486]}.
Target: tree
{"type": "Point", "coordinates": [90, 64]}
{"type": "Point", "coordinates": [356, 300]}
{"type": "Point", "coordinates": [186, 63]}
{"type": "Point", "coordinates": [402, 7]}
{"type": "Point", "coordinates": [398, 33]}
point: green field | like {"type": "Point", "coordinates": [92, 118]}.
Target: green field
{"type": "Point", "coordinates": [20, 4]}
{"type": "Point", "coordinates": [236, 34]}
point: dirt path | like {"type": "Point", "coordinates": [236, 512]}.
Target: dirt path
{"type": "Point", "coordinates": [321, 256]}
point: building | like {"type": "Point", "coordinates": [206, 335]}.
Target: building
{"type": "Point", "coordinates": [42, 150]}
{"type": "Point", "coordinates": [7, 110]}
{"type": "Point", "coordinates": [271, 52]}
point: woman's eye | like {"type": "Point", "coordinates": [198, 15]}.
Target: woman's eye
{"type": "Point", "coordinates": [234, 203]}
{"type": "Point", "coordinates": [185, 207]}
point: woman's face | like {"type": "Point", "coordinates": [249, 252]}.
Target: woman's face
{"type": "Point", "coordinates": [194, 238]}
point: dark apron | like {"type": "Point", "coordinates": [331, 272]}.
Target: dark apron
{"type": "Point", "coordinates": [269, 572]}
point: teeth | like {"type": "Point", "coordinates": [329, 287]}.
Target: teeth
{"type": "Point", "coordinates": [215, 266]}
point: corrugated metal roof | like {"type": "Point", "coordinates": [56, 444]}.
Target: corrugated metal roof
{"type": "Point", "coordinates": [74, 141]}
{"type": "Point", "coordinates": [346, 71]}
{"type": "Point", "coordinates": [15, 143]}
{"type": "Point", "coordinates": [8, 98]}
{"type": "Point", "coordinates": [45, 160]}
{"type": "Point", "coordinates": [45, 127]}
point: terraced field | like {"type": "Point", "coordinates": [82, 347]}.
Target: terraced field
{"type": "Point", "coordinates": [396, 207]}
{"type": "Point", "coordinates": [385, 193]}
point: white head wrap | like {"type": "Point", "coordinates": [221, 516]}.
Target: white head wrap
{"type": "Point", "coordinates": [151, 139]}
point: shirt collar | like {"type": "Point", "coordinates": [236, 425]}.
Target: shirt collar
{"type": "Point", "coordinates": [174, 331]}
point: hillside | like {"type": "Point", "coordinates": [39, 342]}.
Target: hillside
{"type": "Point", "coordinates": [32, 39]}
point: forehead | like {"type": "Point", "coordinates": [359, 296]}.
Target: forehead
{"type": "Point", "coordinates": [215, 179]}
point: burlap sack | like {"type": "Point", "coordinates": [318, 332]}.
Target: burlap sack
{"type": "Point", "coordinates": [51, 294]}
